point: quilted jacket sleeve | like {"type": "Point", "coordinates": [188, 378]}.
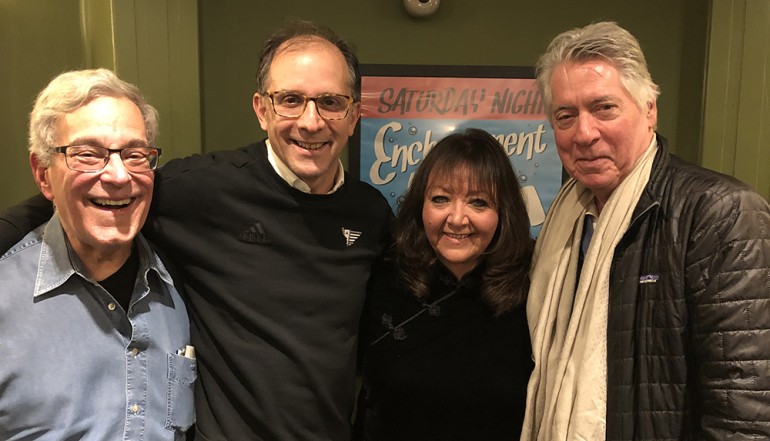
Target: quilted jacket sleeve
{"type": "Point", "coordinates": [728, 291]}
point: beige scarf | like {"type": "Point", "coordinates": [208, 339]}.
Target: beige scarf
{"type": "Point", "coordinates": [567, 392]}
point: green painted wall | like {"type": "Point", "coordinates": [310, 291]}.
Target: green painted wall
{"type": "Point", "coordinates": [151, 43]}
{"type": "Point", "coordinates": [40, 38]}
{"type": "Point", "coordinates": [736, 120]}
{"type": "Point", "coordinates": [479, 32]}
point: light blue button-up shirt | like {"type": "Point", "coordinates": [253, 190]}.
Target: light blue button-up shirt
{"type": "Point", "coordinates": [73, 364]}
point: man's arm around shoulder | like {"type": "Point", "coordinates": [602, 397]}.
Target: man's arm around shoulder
{"type": "Point", "coordinates": [17, 221]}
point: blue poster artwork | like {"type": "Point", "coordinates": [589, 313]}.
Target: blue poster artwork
{"type": "Point", "coordinates": [402, 118]}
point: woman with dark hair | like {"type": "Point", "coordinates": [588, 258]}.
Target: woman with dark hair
{"type": "Point", "coordinates": [446, 347]}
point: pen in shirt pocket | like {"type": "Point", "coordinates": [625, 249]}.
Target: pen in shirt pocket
{"type": "Point", "coordinates": [187, 351]}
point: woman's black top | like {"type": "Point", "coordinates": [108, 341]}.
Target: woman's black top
{"type": "Point", "coordinates": [446, 369]}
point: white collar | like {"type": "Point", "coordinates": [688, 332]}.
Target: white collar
{"type": "Point", "coordinates": [292, 179]}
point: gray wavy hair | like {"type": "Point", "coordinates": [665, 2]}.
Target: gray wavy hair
{"type": "Point", "coordinates": [72, 90]}
{"type": "Point", "coordinates": [605, 41]}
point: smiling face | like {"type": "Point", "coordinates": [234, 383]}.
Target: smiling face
{"type": "Point", "coordinates": [599, 129]}
{"type": "Point", "coordinates": [309, 145]}
{"type": "Point", "coordinates": [100, 212]}
{"type": "Point", "coordinates": [459, 222]}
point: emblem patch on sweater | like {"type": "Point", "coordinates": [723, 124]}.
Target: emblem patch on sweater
{"type": "Point", "coordinates": [350, 235]}
{"type": "Point", "coordinates": [254, 234]}
{"type": "Point", "coordinates": [648, 278]}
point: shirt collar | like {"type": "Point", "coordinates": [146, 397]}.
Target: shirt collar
{"type": "Point", "coordinates": [292, 179]}
{"type": "Point", "coordinates": [58, 262]}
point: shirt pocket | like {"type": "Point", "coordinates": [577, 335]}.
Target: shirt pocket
{"type": "Point", "coordinates": [182, 373]}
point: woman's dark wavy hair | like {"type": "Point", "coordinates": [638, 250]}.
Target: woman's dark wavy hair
{"type": "Point", "coordinates": [505, 278]}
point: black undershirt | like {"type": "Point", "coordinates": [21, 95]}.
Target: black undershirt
{"type": "Point", "coordinates": [121, 283]}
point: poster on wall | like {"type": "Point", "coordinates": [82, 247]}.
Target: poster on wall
{"type": "Point", "coordinates": [405, 110]}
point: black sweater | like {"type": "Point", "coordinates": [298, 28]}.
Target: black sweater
{"type": "Point", "coordinates": [275, 282]}
{"type": "Point", "coordinates": [453, 372]}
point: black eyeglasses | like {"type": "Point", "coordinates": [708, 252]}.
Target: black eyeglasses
{"type": "Point", "coordinates": [93, 159]}
{"type": "Point", "coordinates": [292, 104]}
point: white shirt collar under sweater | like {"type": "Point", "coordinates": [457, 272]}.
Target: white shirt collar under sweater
{"type": "Point", "coordinates": [292, 179]}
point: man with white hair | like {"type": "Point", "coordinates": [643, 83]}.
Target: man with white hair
{"type": "Point", "coordinates": [93, 333]}
{"type": "Point", "coordinates": [649, 308]}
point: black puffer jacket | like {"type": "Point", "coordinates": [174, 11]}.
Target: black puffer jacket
{"type": "Point", "coordinates": [689, 315]}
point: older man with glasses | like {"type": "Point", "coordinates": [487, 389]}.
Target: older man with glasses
{"type": "Point", "coordinates": [92, 330]}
